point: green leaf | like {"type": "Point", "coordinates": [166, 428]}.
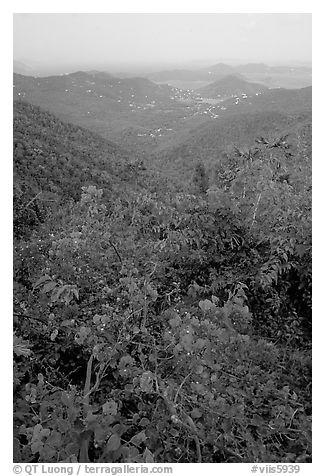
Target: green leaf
{"type": "Point", "coordinates": [131, 453]}
{"type": "Point", "coordinates": [42, 280]}
{"type": "Point", "coordinates": [227, 425]}
{"type": "Point", "coordinates": [175, 321]}
{"type": "Point", "coordinates": [146, 382]}
{"type": "Point", "coordinates": [91, 418]}
{"type": "Point", "coordinates": [45, 432]}
{"type": "Point", "coordinates": [54, 439]}
{"type": "Point", "coordinates": [144, 422]}
{"type": "Point", "coordinates": [101, 432]}
{"type": "Point", "coordinates": [257, 421]}
{"type": "Point", "coordinates": [48, 287]}
{"type": "Point", "coordinates": [152, 292]}
{"type": "Point", "coordinates": [66, 399]}
{"type": "Point", "coordinates": [206, 305]}
{"type": "Point", "coordinates": [54, 334]}
{"type": "Point", "coordinates": [20, 347]}
{"type": "Point", "coordinates": [75, 291]}
{"type": "Point", "coordinates": [113, 443]}
{"type": "Point", "coordinates": [138, 438]}
{"type": "Point", "coordinates": [70, 459]}
{"type": "Point", "coordinates": [199, 369]}
{"type": "Point", "coordinates": [196, 413]}
{"type": "Point", "coordinates": [215, 299]}
{"type": "Point", "coordinates": [96, 319]}
{"type": "Point", "coordinates": [56, 293]}
{"type": "Point", "coordinates": [110, 408]}
{"type": "Point", "coordinates": [187, 342]}
{"type": "Point", "coordinates": [36, 446]}
{"type": "Point", "coordinates": [148, 456]}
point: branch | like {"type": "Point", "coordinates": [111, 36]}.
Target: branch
{"type": "Point", "coordinates": [32, 200]}
{"type": "Point", "coordinates": [256, 207]}
{"type": "Point", "coordinates": [98, 377]}
{"type": "Point", "coordinates": [195, 438]}
{"type": "Point", "coordinates": [114, 247]}
{"type": "Point", "coordinates": [179, 388]}
{"type": "Point", "coordinates": [189, 425]}
{"type": "Point", "coordinates": [18, 314]}
{"type": "Point", "coordinates": [154, 269]}
{"type": "Point", "coordinates": [48, 200]}
{"type": "Point", "coordinates": [87, 385]}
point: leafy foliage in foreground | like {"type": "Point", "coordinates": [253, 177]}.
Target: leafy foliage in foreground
{"type": "Point", "coordinates": [170, 330]}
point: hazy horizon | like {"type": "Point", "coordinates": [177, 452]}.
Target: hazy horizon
{"type": "Point", "coordinates": [140, 41]}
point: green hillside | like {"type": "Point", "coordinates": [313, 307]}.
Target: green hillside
{"type": "Point", "coordinates": [53, 160]}
{"type": "Point", "coordinates": [230, 86]}
{"type": "Point", "coordinates": [210, 141]}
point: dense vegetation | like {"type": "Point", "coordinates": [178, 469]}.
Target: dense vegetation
{"type": "Point", "coordinates": [52, 159]}
{"type": "Point", "coordinates": [212, 140]}
{"type": "Point", "coordinates": [111, 107]}
{"type": "Point", "coordinates": [157, 321]}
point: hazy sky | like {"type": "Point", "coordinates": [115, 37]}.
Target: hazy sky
{"type": "Point", "coordinates": [107, 38]}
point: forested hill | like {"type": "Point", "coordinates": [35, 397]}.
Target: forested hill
{"type": "Point", "coordinates": [59, 155]}
{"type": "Point", "coordinates": [104, 104]}
{"type": "Point", "coordinates": [140, 115]}
{"type": "Point", "coordinates": [208, 142]}
{"type": "Point", "coordinates": [54, 159]}
{"type": "Point", "coordinates": [283, 100]}
{"type": "Point", "coordinates": [230, 85]}
{"type": "Point", "coordinates": [97, 84]}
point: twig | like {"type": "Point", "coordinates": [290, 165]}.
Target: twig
{"type": "Point", "coordinates": [18, 314]}
{"type": "Point", "coordinates": [48, 200]}
{"type": "Point", "coordinates": [256, 207]}
{"type": "Point", "coordinates": [32, 200]}
{"type": "Point", "coordinates": [189, 426]}
{"type": "Point", "coordinates": [154, 269]}
{"type": "Point", "coordinates": [114, 247]}
{"type": "Point", "coordinates": [84, 444]}
{"type": "Point", "coordinates": [230, 375]}
{"type": "Point", "coordinates": [145, 312]}
{"type": "Point", "coordinates": [181, 385]}
{"type": "Point", "coordinates": [156, 364]}
{"type": "Point", "coordinates": [198, 449]}
{"type": "Point", "coordinates": [292, 417]}
{"type": "Point", "coordinates": [99, 374]}
{"type": "Point", "coordinates": [231, 452]}
{"type": "Point", "coordinates": [195, 438]}
{"type": "Point", "coordinates": [87, 385]}
{"type": "Point", "coordinates": [244, 192]}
